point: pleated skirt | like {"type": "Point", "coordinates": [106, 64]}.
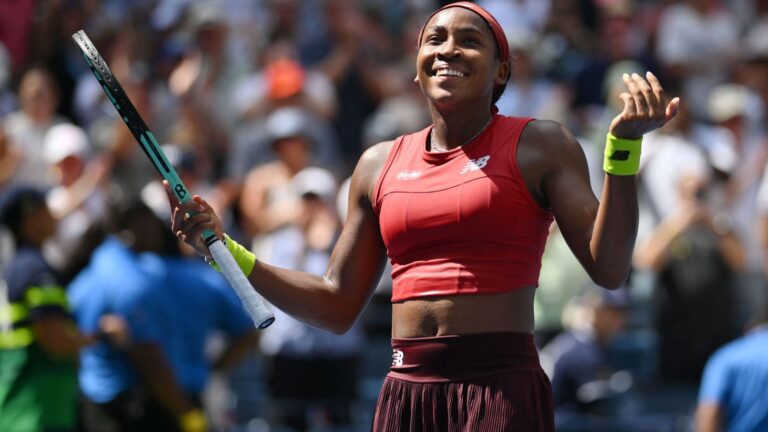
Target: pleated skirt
{"type": "Point", "coordinates": [491, 382]}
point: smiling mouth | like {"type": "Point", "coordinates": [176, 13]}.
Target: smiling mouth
{"type": "Point", "coordinates": [449, 73]}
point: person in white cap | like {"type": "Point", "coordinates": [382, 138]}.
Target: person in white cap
{"type": "Point", "coordinates": [76, 199]}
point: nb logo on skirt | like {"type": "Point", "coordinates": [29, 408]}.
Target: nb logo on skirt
{"type": "Point", "coordinates": [397, 357]}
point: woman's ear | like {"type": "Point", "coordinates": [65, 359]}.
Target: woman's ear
{"type": "Point", "coordinates": [416, 79]}
{"type": "Point", "coordinates": [503, 73]}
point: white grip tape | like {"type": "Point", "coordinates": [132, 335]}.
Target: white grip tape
{"type": "Point", "coordinates": [254, 304]}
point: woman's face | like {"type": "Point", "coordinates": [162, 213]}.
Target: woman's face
{"type": "Point", "coordinates": [457, 63]}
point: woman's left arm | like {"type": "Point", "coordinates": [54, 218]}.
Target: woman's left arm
{"type": "Point", "coordinates": [600, 234]}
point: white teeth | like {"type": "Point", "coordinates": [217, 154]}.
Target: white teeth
{"type": "Point", "coordinates": [449, 72]}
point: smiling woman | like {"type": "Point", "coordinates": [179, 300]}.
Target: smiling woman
{"type": "Point", "coordinates": [462, 210]}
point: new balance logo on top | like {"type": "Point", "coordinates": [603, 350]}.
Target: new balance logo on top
{"type": "Point", "coordinates": [408, 175]}
{"type": "Point", "coordinates": [397, 357]}
{"type": "Point", "coordinates": [475, 164]}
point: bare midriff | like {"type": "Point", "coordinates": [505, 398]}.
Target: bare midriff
{"type": "Point", "coordinates": [467, 314]}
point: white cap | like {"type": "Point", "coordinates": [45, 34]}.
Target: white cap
{"type": "Point", "coordinates": [316, 181]}
{"type": "Point", "coordinates": [287, 123]}
{"type": "Point", "coordinates": [728, 101]}
{"type": "Point", "coordinates": [63, 140]}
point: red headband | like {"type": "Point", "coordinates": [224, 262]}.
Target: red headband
{"type": "Point", "coordinates": [498, 32]}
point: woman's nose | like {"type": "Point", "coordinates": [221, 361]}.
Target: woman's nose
{"type": "Point", "coordinates": [449, 48]}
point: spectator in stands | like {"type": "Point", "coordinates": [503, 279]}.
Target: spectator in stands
{"type": "Point", "coordinates": [732, 108]}
{"type": "Point", "coordinates": [26, 127]}
{"type": "Point", "coordinates": [38, 340]}
{"type": "Point", "coordinates": [696, 257]}
{"type": "Point", "coordinates": [77, 199]}
{"type": "Point", "coordinates": [282, 86]}
{"type": "Point", "coordinates": [577, 360]}
{"type": "Point", "coordinates": [696, 42]}
{"type": "Point", "coordinates": [267, 200]}
{"type": "Point", "coordinates": [136, 388]}
{"type": "Point", "coordinates": [732, 393]}
{"type": "Point", "coordinates": [312, 373]}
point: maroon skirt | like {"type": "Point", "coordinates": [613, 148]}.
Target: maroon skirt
{"type": "Point", "coordinates": [470, 383]}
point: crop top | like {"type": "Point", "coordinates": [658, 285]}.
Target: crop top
{"type": "Point", "coordinates": [462, 221]}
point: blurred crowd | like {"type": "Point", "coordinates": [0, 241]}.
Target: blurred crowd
{"type": "Point", "coordinates": [264, 106]}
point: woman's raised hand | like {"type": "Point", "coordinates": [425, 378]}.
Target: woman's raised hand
{"type": "Point", "coordinates": [190, 219]}
{"type": "Point", "coordinates": [645, 107]}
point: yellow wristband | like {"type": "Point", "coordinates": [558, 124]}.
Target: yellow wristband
{"type": "Point", "coordinates": [244, 258]}
{"type": "Point", "coordinates": [193, 421]}
{"type": "Point", "coordinates": [622, 156]}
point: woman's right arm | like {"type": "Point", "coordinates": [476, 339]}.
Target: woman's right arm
{"type": "Point", "coordinates": [332, 301]}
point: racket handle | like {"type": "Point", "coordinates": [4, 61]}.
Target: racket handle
{"type": "Point", "coordinates": [259, 312]}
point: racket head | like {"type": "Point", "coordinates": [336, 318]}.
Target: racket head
{"type": "Point", "coordinates": [129, 114]}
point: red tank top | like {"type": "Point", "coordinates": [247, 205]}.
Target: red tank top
{"type": "Point", "coordinates": [463, 221]}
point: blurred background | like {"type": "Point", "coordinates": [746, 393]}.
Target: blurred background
{"type": "Point", "coordinates": [264, 107]}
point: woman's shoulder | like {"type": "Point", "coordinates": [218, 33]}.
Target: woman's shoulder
{"type": "Point", "coordinates": [548, 136]}
{"type": "Point", "coordinates": [546, 147]}
{"type": "Point", "coordinates": [369, 167]}
{"type": "Point", "coordinates": [373, 159]}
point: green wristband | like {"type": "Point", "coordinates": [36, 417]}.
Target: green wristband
{"type": "Point", "coordinates": [622, 156]}
{"type": "Point", "coordinates": [244, 258]}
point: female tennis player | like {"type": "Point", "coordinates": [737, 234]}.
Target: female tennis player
{"type": "Point", "coordinates": [462, 210]}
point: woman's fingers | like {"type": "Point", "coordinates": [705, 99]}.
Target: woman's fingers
{"type": "Point", "coordinates": [658, 91]}
{"type": "Point", "coordinates": [172, 199]}
{"type": "Point", "coordinates": [191, 218]}
{"type": "Point", "coordinates": [196, 222]}
{"type": "Point", "coordinates": [645, 106]}
{"type": "Point", "coordinates": [671, 109]}
{"type": "Point", "coordinates": [629, 104]}
{"type": "Point", "coordinates": [633, 85]}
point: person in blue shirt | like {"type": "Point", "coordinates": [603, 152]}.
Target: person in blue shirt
{"type": "Point", "coordinates": [132, 389]}
{"type": "Point", "coordinates": [734, 389]}
{"type": "Point", "coordinates": [170, 305]}
{"type": "Point", "coordinates": [192, 289]}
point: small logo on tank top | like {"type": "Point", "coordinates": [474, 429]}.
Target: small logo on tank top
{"type": "Point", "coordinates": [475, 164]}
{"type": "Point", "coordinates": [397, 357]}
{"type": "Point", "coordinates": [408, 175]}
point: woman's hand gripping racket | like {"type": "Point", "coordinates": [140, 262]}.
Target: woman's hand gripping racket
{"type": "Point", "coordinates": [254, 304]}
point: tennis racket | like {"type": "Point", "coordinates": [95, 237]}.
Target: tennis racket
{"type": "Point", "coordinates": [260, 314]}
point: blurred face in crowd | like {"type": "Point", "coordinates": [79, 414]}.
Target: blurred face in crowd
{"type": "Point", "coordinates": [609, 321]}
{"type": "Point", "coordinates": [294, 152]}
{"type": "Point", "coordinates": [212, 38]}
{"type": "Point", "coordinates": [38, 96]}
{"type": "Point", "coordinates": [614, 34]}
{"type": "Point", "coordinates": [38, 225]}
{"type": "Point", "coordinates": [458, 61]}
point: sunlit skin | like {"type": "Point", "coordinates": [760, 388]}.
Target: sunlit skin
{"type": "Point", "coordinates": [460, 41]}
{"type": "Point", "coordinates": [601, 234]}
